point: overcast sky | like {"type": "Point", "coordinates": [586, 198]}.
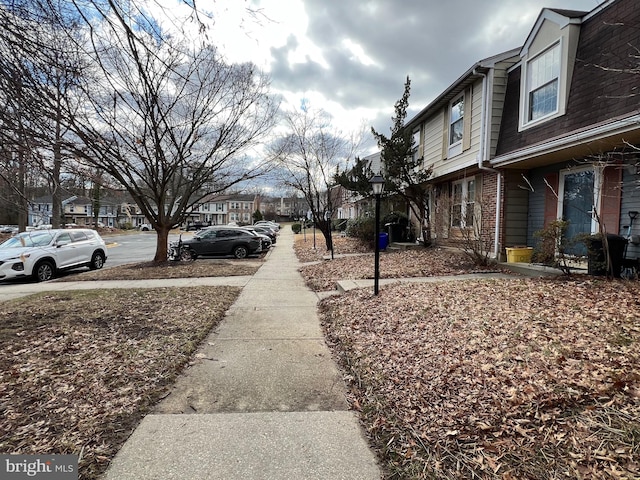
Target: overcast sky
{"type": "Point", "coordinates": [351, 57]}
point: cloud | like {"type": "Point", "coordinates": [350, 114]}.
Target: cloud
{"type": "Point", "coordinates": [354, 56]}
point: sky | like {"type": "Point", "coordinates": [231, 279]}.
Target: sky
{"type": "Point", "coordinates": [351, 57]}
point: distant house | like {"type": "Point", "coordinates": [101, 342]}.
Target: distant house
{"type": "Point", "coordinates": [351, 204]}
{"type": "Point", "coordinates": [116, 210]}
{"type": "Point", "coordinates": [75, 210]}
{"type": "Point", "coordinates": [224, 209]}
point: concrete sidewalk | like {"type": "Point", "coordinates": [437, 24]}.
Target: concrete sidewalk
{"type": "Point", "coordinates": [264, 401]}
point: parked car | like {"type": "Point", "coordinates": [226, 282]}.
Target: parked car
{"type": "Point", "coordinates": [264, 230]}
{"type": "Point", "coordinates": [269, 223]}
{"type": "Point", "coordinates": [266, 241]}
{"type": "Point", "coordinates": [145, 227]}
{"type": "Point", "coordinates": [40, 254]}
{"type": "Point", "coordinates": [196, 226]}
{"type": "Point", "coordinates": [223, 240]}
{"type": "Point", "coordinates": [9, 229]}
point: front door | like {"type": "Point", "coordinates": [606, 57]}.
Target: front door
{"type": "Point", "coordinates": [577, 199]}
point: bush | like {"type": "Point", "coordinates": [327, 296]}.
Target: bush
{"type": "Point", "coordinates": [553, 245]}
{"type": "Point", "coordinates": [296, 227]}
{"type": "Point", "coordinates": [362, 228]}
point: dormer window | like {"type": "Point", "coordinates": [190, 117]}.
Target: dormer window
{"type": "Point", "coordinates": [543, 78]}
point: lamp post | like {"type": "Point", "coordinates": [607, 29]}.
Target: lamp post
{"type": "Point", "coordinates": [377, 185]}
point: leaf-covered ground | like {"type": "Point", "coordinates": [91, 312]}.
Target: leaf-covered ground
{"type": "Point", "coordinates": [352, 260]}
{"type": "Point", "coordinates": [495, 379]}
{"type": "Point", "coordinates": [79, 369]}
{"type": "Point", "coordinates": [150, 270]}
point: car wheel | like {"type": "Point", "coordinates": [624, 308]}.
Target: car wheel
{"type": "Point", "coordinates": [44, 271]}
{"type": "Point", "coordinates": [97, 261]}
{"type": "Point", "coordinates": [240, 251]}
{"type": "Point", "coordinates": [186, 255]}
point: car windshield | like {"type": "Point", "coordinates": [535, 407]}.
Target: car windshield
{"type": "Point", "coordinates": [28, 239]}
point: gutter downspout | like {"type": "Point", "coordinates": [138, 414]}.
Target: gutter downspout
{"type": "Point", "coordinates": [484, 156]}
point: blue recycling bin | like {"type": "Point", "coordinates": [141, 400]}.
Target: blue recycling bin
{"type": "Point", "coordinates": [383, 241]}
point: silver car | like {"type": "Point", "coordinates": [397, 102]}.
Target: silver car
{"type": "Point", "coordinates": [41, 253]}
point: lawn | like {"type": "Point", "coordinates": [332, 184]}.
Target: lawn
{"type": "Point", "coordinates": [79, 369]}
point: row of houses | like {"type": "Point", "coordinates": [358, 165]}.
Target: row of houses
{"type": "Point", "coordinates": [117, 211]}
{"type": "Point", "coordinates": [547, 131]}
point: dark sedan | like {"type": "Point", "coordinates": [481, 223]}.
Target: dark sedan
{"type": "Point", "coordinates": [218, 241]}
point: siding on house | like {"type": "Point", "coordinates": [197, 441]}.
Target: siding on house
{"type": "Point", "coordinates": [435, 136]}
{"type": "Point", "coordinates": [590, 100]}
{"type": "Point", "coordinates": [499, 82]}
{"type": "Point", "coordinates": [516, 209]}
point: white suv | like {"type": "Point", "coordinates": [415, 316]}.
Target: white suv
{"type": "Point", "coordinates": [41, 253]}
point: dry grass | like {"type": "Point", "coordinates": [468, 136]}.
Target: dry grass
{"type": "Point", "coordinates": [358, 263]}
{"type": "Point", "coordinates": [80, 369]}
{"type": "Point", "coordinates": [495, 379]}
{"type": "Point", "coordinates": [505, 379]}
{"type": "Point", "coordinates": [151, 270]}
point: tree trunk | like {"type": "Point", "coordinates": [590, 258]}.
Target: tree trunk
{"type": "Point", "coordinates": [23, 210]}
{"type": "Point", "coordinates": [162, 244]}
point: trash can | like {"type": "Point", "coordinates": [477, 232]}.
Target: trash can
{"type": "Point", "coordinates": [383, 241]}
{"type": "Point", "coordinates": [597, 263]}
{"type": "Point", "coordinates": [397, 232]}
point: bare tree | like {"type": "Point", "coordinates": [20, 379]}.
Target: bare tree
{"type": "Point", "coordinates": [308, 155]}
{"type": "Point", "coordinates": [170, 122]}
{"type": "Point", "coordinates": [38, 68]}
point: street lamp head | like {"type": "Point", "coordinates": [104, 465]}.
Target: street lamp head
{"type": "Point", "coordinates": [377, 184]}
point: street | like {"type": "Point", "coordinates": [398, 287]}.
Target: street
{"type": "Point", "coordinates": [133, 247]}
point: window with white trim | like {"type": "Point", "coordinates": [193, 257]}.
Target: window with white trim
{"type": "Point", "coordinates": [543, 84]}
{"type": "Point", "coordinates": [456, 121]}
{"type": "Point", "coordinates": [463, 196]}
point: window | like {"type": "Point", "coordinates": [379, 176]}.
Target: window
{"type": "Point", "coordinates": [416, 145]}
{"type": "Point", "coordinates": [456, 121]}
{"type": "Point", "coordinates": [543, 78]}
{"type": "Point", "coordinates": [78, 236]}
{"type": "Point", "coordinates": [463, 203]}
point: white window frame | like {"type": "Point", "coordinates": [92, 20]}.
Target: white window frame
{"type": "Point", "coordinates": [466, 202]}
{"type": "Point", "coordinates": [525, 109]}
{"type": "Point", "coordinates": [455, 148]}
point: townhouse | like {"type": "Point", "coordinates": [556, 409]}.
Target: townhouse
{"type": "Point", "coordinates": [456, 135]}
{"type": "Point", "coordinates": [547, 131]}
{"type": "Point", "coordinates": [568, 142]}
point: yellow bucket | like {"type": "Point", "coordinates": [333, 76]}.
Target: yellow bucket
{"type": "Point", "coordinates": [519, 254]}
